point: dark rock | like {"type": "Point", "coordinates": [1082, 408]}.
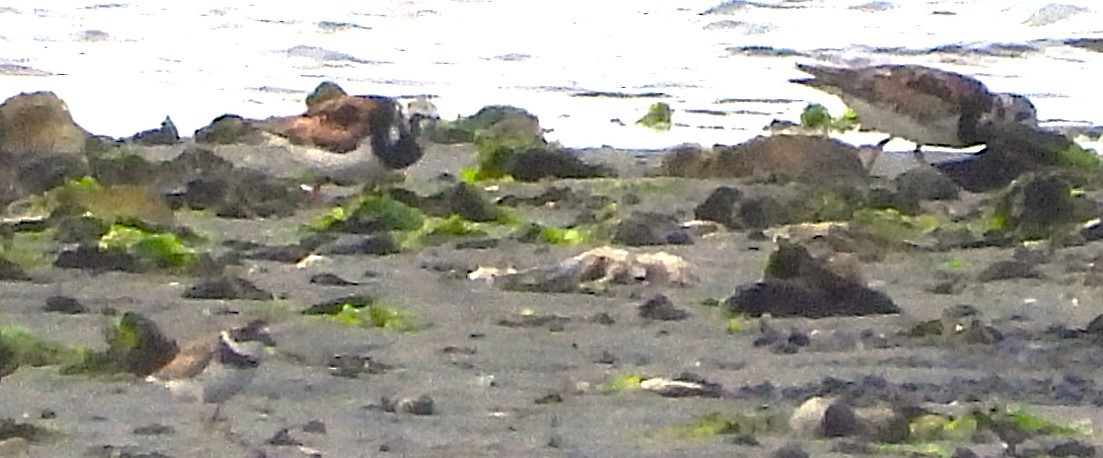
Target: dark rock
{"type": "Point", "coordinates": [1042, 206]}
{"type": "Point", "coordinates": [926, 183]}
{"type": "Point", "coordinates": [289, 254]}
{"type": "Point", "coordinates": [39, 124]}
{"type": "Point", "coordinates": [906, 203]}
{"type": "Point", "coordinates": [1053, 446]}
{"type": "Point", "coordinates": [198, 161]}
{"type": "Point", "coordinates": [550, 398]}
{"type": "Point", "coordinates": [762, 212]}
{"type": "Point", "coordinates": [124, 451]}
{"type": "Point", "coordinates": [982, 172]}
{"type": "Point", "coordinates": [661, 308]}
{"type": "Point", "coordinates": [10, 429]}
{"type": "Point", "coordinates": [165, 135]}
{"type": "Point", "coordinates": [1095, 327]}
{"type": "Point", "coordinates": [606, 358]}
{"type": "Point", "coordinates": [82, 229]}
{"type": "Point", "coordinates": [1093, 44]}
{"type": "Point", "coordinates": [64, 304]}
{"type": "Point", "coordinates": [155, 429]}
{"type": "Point", "coordinates": [560, 197]}
{"type": "Point", "coordinates": [351, 366]}
{"type": "Point", "coordinates": [538, 163]}
{"type": "Point", "coordinates": [796, 284]}
{"type": "Point", "coordinates": [375, 245]}
{"type": "Point", "coordinates": [790, 451]}
{"type": "Point", "coordinates": [965, 323]}
{"type": "Point", "coordinates": [42, 172]}
{"type": "Point", "coordinates": [720, 206]}
{"type": "Point", "coordinates": [283, 438]}
{"type": "Point", "coordinates": [534, 321]}
{"type": "Point", "coordinates": [10, 271]}
{"type": "Point", "coordinates": [202, 180]}
{"type": "Point", "coordinates": [679, 237]}
{"type": "Point", "coordinates": [328, 279]}
{"type": "Point", "coordinates": [477, 244]}
{"type": "Point", "coordinates": [137, 346]}
{"type": "Point", "coordinates": [643, 229]}
{"type": "Point", "coordinates": [334, 306]}
{"type": "Point", "coordinates": [227, 288]}
{"type": "Point", "coordinates": [91, 257]}
{"type": "Point", "coordinates": [744, 440]}
{"type": "Point", "coordinates": [962, 452]}
{"type": "Point", "coordinates": [229, 129]}
{"type": "Point", "coordinates": [606, 319]}
{"type": "Point", "coordinates": [315, 427]}
{"type": "Point", "coordinates": [502, 121]}
{"type": "Point", "coordinates": [839, 420]}
{"type": "Point", "coordinates": [1034, 253]}
{"type": "Point", "coordinates": [1008, 270]}
{"type": "Point", "coordinates": [782, 158]}
{"type": "Point", "coordinates": [462, 199]}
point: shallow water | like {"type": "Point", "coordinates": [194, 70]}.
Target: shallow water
{"type": "Point", "coordinates": [122, 67]}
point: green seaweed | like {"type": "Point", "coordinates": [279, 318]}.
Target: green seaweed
{"type": "Point", "coordinates": [933, 427]}
{"type": "Point", "coordinates": [495, 153]}
{"type": "Point", "coordinates": [1021, 420]}
{"type": "Point", "coordinates": [890, 224]}
{"type": "Point", "coordinates": [23, 348]}
{"type": "Point", "coordinates": [436, 230]}
{"type": "Point", "coordinates": [816, 116]}
{"type": "Point", "coordinates": [535, 233]}
{"type": "Point", "coordinates": [164, 249]}
{"type": "Point", "coordinates": [736, 325]}
{"type": "Point", "coordinates": [658, 117]}
{"type": "Point", "coordinates": [369, 313]}
{"type": "Point", "coordinates": [28, 248]}
{"type": "Point", "coordinates": [715, 424]}
{"type": "Point", "coordinates": [621, 383]}
{"type": "Point", "coordinates": [917, 450]}
{"type": "Point", "coordinates": [379, 211]}
{"type": "Point", "coordinates": [1080, 158]}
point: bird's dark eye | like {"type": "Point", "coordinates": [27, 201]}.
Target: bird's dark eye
{"type": "Point", "coordinates": [1001, 113]}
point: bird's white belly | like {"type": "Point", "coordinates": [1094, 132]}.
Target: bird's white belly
{"type": "Point", "coordinates": [278, 157]}
{"type": "Point", "coordinates": [219, 385]}
{"type": "Point", "coordinates": [883, 118]}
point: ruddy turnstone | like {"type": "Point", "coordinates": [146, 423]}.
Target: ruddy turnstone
{"type": "Point", "coordinates": [925, 105]}
{"type": "Point", "coordinates": [212, 371]}
{"type": "Point", "coordinates": [347, 139]}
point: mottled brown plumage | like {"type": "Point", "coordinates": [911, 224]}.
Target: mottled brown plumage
{"type": "Point", "coordinates": [925, 105]}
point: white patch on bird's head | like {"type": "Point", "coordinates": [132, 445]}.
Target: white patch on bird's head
{"type": "Point", "coordinates": [1010, 109]}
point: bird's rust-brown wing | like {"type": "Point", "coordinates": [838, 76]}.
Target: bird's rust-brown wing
{"type": "Point", "coordinates": [337, 124]}
{"type": "Point", "coordinates": [189, 361]}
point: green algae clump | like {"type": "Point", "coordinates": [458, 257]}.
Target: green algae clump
{"type": "Point", "coordinates": [19, 347]}
{"type": "Point", "coordinates": [164, 249]}
{"type": "Point", "coordinates": [658, 117]}
{"type": "Point", "coordinates": [367, 312]}
{"type": "Point", "coordinates": [621, 383]}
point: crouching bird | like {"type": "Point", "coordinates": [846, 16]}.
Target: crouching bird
{"type": "Point", "coordinates": [213, 370]}
{"type": "Point", "coordinates": [924, 105]}
{"type": "Point", "coordinates": [348, 140]}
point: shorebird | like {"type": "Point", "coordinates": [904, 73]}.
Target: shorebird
{"type": "Point", "coordinates": [212, 371]}
{"type": "Point", "coordinates": [347, 140]}
{"type": "Point", "coordinates": [924, 105]}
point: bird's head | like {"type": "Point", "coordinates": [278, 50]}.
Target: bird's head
{"type": "Point", "coordinates": [1008, 109]}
